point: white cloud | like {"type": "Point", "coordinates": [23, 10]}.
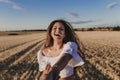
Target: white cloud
{"type": "Point", "coordinates": [82, 22]}
{"type": "Point", "coordinates": [6, 1]}
{"type": "Point", "coordinates": [75, 15]}
{"type": "Point", "coordinates": [18, 7]}
{"type": "Point", "coordinates": [72, 15]}
{"type": "Point", "coordinates": [13, 5]}
{"type": "Point", "coordinates": [111, 5]}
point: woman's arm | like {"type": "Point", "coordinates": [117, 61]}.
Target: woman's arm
{"type": "Point", "coordinates": [60, 64]}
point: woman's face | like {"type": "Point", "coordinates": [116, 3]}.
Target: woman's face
{"type": "Point", "coordinates": [58, 31]}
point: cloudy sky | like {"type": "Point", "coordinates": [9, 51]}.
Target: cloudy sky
{"type": "Point", "coordinates": [37, 14]}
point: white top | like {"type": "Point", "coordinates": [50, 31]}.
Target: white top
{"type": "Point", "coordinates": [68, 48]}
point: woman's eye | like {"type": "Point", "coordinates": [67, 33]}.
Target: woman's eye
{"type": "Point", "coordinates": [54, 28]}
{"type": "Point", "coordinates": [61, 29]}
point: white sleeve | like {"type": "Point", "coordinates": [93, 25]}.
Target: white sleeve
{"type": "Point", "coordinates": [71, 48]}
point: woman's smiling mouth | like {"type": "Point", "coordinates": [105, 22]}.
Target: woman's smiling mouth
{"type": "Point", "coordinates": [57, 35]}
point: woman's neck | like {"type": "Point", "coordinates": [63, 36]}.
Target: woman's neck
{"type": "Point", "coordinates": [57, 45]}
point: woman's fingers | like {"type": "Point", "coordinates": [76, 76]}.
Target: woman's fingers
{"type": "Point", "coordinates": [48, 69]}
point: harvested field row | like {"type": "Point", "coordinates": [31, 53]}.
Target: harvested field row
{"type": "Point", "coordinates": [7, 42]}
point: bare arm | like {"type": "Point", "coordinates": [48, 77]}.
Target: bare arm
{"type": "Point", "coordinates": [62, 62]}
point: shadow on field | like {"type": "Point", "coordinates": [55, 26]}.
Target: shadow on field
{"type": "Point", "coordinates": [20, 70]}
{"type": "Point", "coordinates": [89, 72]}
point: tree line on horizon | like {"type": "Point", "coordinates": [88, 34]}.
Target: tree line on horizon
{"type": "Point", "coordinates": [115, 28]}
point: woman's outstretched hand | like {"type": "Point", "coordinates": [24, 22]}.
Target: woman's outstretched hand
{"type": "Point", "coordinates": [47, 73]}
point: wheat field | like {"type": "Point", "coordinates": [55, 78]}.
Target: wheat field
{"type": "Point", "coordinates": [18, 56]}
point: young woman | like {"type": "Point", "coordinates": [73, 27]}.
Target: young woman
{"type": "Point", "coordinates": [60, 53]}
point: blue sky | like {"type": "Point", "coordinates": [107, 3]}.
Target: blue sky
{"type": "Point", "coordinates": [37, 14]}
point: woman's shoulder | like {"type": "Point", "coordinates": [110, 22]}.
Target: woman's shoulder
{"type": "Point", "coordinates": [71, 44]}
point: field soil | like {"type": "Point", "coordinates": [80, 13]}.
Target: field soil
{"type": "Point", "coordinates": [18, 55]}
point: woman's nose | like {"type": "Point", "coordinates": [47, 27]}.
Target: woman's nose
{"type": "Point", "coordinates": [58, 30]}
